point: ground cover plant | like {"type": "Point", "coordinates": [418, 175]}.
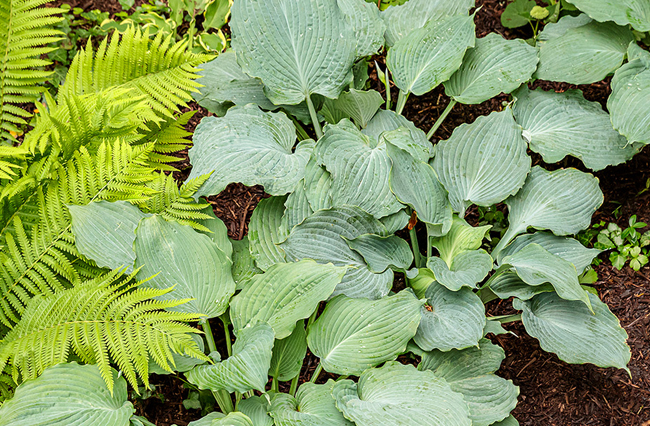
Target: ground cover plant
{"type": "Point", "coordinates": [107, 263]}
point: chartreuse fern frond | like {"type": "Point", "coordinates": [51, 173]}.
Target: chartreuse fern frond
{"type": "Point", "coordinates": [177, 204]}
{"type": "Point", "coordinates": [162, 71]}
{"type": "Point", "coordinates": [24, 29]}
{"type": "Point", "coordinates": [10, 160]}
{"type": "Point", "coordinates": [168, 136]}
{"type": "Point", "coordinates": [101, 320]}
{"type": "Point", "coordinates": [7, 386]}
{"type": "Point", "coordinates": [46, 259]}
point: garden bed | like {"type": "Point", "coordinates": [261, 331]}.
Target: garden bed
{"type": "Point", "coordinates": [551, 391]}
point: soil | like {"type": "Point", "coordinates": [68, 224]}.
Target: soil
{"type": "Point", "coordinates": [551, 392]}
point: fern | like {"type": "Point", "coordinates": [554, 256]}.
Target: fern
{"type": "Point", "coordinates": [99, 320]}
{"type": "Point", "coordinates": [47, 260]}
{"type": "Point", "coordinates": [24, 29]}
{"type": "Point", "coordinates": [164, 72]}
{"type": "Point", "coordinates": [168, 136]}
{"type": "Point", "coordinates": [174, 204]}
{"type": "Point", "coordinates": [7, 386]}
{"type": "Point", "coordinates": [7, 168]}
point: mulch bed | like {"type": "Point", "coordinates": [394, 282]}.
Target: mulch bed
{"type": "Point", "coordinates": [553, 393]}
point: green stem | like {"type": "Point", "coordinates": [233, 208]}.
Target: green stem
{"type": "Point", "coordinates": [294, 385]}
{"type": "Point", "coordinates": [510, 234]}
{"type": "Point", "coordinates": [342, 378]}
{"type": "Point", "coordinates": [314, 376]}
{"type": "Point", "coordinates": [314, 117]}
{"type": "Point", "coordinates": [416, 248]}
{"type": "Point", "coordinates": [224, 401]}
{"type": "Point", "coordinates": [387, 78]}
{"type": "Point", "coordinates": [249, 394]}
{"type": "Point", "coordinates": [237, 399]}
{"type": "Point", "coordinates": [205, 325]}
{"type": "Point", "coordinates": [226, 322]}
{"type": "Point", "coordinates": [505, 319]}
{"type": "Point", "coordinates": [190, 33]}
{"type": "Point", "coordinates": [487, 295]}
{"type": "Point", "coordinates": [429, 247]}
{"type": "Point", "coordinates": [275, 386]}
{"type": "Point", "coordinates": [312, 318]}
{"type": "Point", "coordinates": [401, 101]}
{"type": "Point", "coordinates": [441, 119]}
{"type": "Point", "coordinates": [302, 134]}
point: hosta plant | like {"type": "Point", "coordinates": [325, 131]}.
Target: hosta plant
{"type": "Point", "coordinates": [399, 325]}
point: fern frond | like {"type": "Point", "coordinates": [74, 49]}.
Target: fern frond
{"type": "Point", "coordinates": [46, 259]}
{"type": "Point", "coordinates": [174, 204]}
{"type": "Point", "coordinates": [24, 30]}
{"type": "Point", "coordinates": [10, 159]}
{"type": "Point", "coordinates": [168, 136]}
{"type": "Point", "coordinates": [164, 72]}
{"type": "Point", "coordinates": [7, 386]}
{"type": "Point", "coordinates": [105, 319]}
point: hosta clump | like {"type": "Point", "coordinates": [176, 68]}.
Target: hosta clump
{"type": "Point", "coordinates": [318, 268]}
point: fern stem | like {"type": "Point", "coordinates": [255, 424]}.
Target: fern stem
{"type": "Point", "coordinates": [314, 376]}
{"type": "Point", "coordinates": [441, 119]}
{"type": "Point", "coordinates": [314, 117]}
{"type": "Point", "coordinates": [226, 323]}
{"type": "Point", "coordinates": [294, 385]}
{"type": "Point", "coordinates": [205, 325]}
{"type": "Point", "coordinates": [402, 97]}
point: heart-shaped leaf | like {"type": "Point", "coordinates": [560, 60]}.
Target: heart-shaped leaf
{"type": "Point", "coordinates": [536, 266]}
{"type": "Point", "coordinates": [243, 264]}
{"type": "Point", "coordinates": [623, 12]}
{"type": "Point", "coordinates": [319, 237]}
{"type": "Point", "coordinates": [105, 232]}
{"type": "Point", "coordinates": [297, 58]}
{"type": "Point", "coordinates": [561, 201]}
{"type": "Point", "coordinates": [251, 147]}
{"type": "Point", "coordinates": [289, 353]}
{"type": "Point", "coordinates": [508, 284]}
{"type": "Point", "coordinates": [359, 105]}
{"type": "Point", "coordinates": [466, 270]}
{"type": "Point", "coordinates": [568, 329]}
{"type": "Point", "coordinates": [256, 408]}
{"type": "Point", "coordinates": [470, 372]}
{"type": "Point", "coordinates": [245, 370]}
{"type": "Point", "coordinates": [483, 162]}
{"type": "Point", "coordinates": [174, 255]}
{"type": "Point", "coordinates": [367, 25]}
{"type": "Point", "coordinates": [387, 121]}
{"type": "Point", "coordinates": [450, 319]}
{"type": "Point", "coordinates": [403, 19]}
{"type": "Point", "coordinates": [381, 253]}
{"type": "Point", "coordinates": [577, 51]}
{"type": "Point", "coordinates": [352, 335]}
{"type": "Point", "coordinates": [494, 66]}
{"type": "Point", "coordinates": [461, 237]}
{"type": "Point", "coordinates": [296, 209]}
{"type": "Point", "coordinates": [68, 395]}
{"type": "Point", "coordinates": [312, 406]}
{"type": "Point", "coordinates": [429, 55]}
{"type": "Point", "coordinates": [265, 232]}
{"type": "Point", "coordinates": [561, 124]}
{"type": "Point", "coordinates": [400, 395]}
{"type": "Point", "coordinates": [284, 294]}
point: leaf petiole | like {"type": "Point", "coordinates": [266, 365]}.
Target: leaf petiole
{"type": "Point", "coordinates": [314, 117]}
{"type": "Point", "coordinates": [441, 119]}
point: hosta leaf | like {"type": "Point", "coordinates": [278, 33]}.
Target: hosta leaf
{"type": "Point", "coordinates": [226, 83]}
{"type": "Point", "coordinates": [536, 266]}
{"type": "Point", "coordinates": [509, 421]}
{"type": "Point", "coordinates": [483, 162]}
{"type": "Point", "coordinates": [386, 121]}
{"type": "Point", "coordinates": [359, 105]}
{"type": "Point", "coordinates": [466, 269]}
{"type": "Point", "coordinates": [575, 334]}
{"type": "Point", "coordinates": [297, 58]}
{"type": "Point", "coordinates": [256, 408]}
{"type": "Point", "coordinates": [312, 406]}
{"type": "Point", "coordinates": [68, 395]}
{"type": "Point", "coordinates": [561, 201]}
{"type": "Point", "coordinates": [367, 25]}
{"type": "Point", "coordinates": [402, 20]}
{"type": "Point", "coordinates": [245, 370]}
{"type": "Point", "coordinates": [398, 394]}
{"type": "Point", "coordinates": [508, 284]}
{"type": "Point", "coordinates": [396, 221]}
{"type": "Point", "coordinates": [421, 282]}
{"type": "Point", "coordinates": [628, 104]}
{"type": "Point", "coordinates": [381, 253]}
{"type": "Point", "coordinates": [450, 319]}
{"type": "Point", "coordinates": [265, 232]}
{"type": "Point", "coordinates": [319, 238]}
{"type": "Point", "coordinates": [404, 139]}
{"type": "Point", "coordinates": [251, 147]}
{"type": "Point", "coordinates": [352, 335]}
{"type": "Point", "coordinates": [560, 124]}
{"type": "Point", "coordinates": [105, 232]}
{"type": "Point", "coordinates": [517, 13]}
{"type": "Point", "coordinates": [284, 294]}
{"type": "Point", "coordinates": [188, 260]}
{"type": "Point", "coordinates": [318, 184]}
{"type": "Point", "coordinates": [207, 420]}
{"type": "Point", "coordinates": [218, 231]}
{"type": "Point", "coordinates": [623, 12]}
{"type": "Point", "coordinates": [494, 66]}
{"type": "Point", "coordinates": [233, 419]}
{"type": "Point", "coordinates": [243, 264]}
{"type": "Point", "coordinates": [296, 209]}
{"type": "Point", "coordinates": [461, 237]}
{"type": "Point", "coordinates": [416, 184]}
{"type": "Point", "coordinates": [469, 372]}
{"type": "Point", "coordinates": [289, 353]}
{"type": "Point", "coordinates": [581, 54]}
{"type": "Point", "coordinates": [568, 249]}
{"type": "Point", "coordinates": [429, 55]}
{"type": "Point", "coordinates": [359, 170]}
